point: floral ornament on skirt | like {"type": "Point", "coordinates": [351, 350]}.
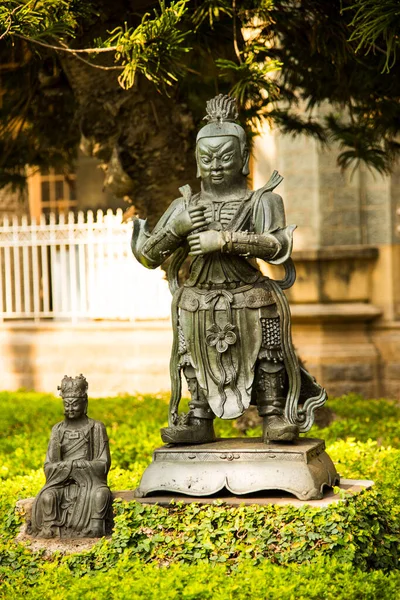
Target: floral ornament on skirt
{"type": "Point", "coordinates": [221, 338]}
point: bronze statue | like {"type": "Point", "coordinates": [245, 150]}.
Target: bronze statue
{"type": "Point", "coordinates": [232, 331]}
{"type": "Point", "coordinates": [75, 501]}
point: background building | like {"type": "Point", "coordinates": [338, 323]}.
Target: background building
{"type": "Point", "coordinates": [92, 308]}
{"type": "Point", "coordinates": [346, 300]}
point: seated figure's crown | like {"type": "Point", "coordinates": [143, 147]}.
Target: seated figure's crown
{"type": "Point", "coordinates": [73, 387]}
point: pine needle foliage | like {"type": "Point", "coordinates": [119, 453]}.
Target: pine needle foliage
{"type": "Point", "coordinates": [324, 69]}
{"type": "Point", "coordinates": [376, 27]}
{"type": "Point", "coordinates": [154, 48]}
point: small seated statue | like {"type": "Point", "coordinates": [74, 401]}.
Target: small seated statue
{"type": "Point", "coordinates": [75, 501]}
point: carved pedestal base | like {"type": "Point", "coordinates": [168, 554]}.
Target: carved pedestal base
{"type": "Point", "coordinates": [242, 466]}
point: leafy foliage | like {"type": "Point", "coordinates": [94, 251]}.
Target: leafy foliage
{"type": "Point", "coordinates": [356, 530]}
{"type": "Point", "coordinates": [320, 64]}
{"type": "Point", "coordinates": [273, 56]}
{"type": "Point", "coordinates": [252, 87]}
{"type": "Point", "coordinates": [210, 11]}
{"type": "Point", "coordinates": [348, 550]}
{"type": "Point", "coordinates": [373, 23]}
{"type": "Point", "coordinates": [130, 578]}
{"type": "Point", "coordinates": [42, 19]}
{"type": "Point", "coordinates": [154, 48]}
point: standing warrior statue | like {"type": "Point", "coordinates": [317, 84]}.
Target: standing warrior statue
{"type": "Point", "coordinates": [232, 333]}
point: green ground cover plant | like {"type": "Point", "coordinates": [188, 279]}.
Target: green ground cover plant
{"type": "Point", "coordinates": [347, 550]}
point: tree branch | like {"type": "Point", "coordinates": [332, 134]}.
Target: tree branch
{"type": "Point", "coordinates": [235, 42]}
{"type": "Point", "coordinates": [87, 62]}
{"type": "Point", "coordinates": [9, 23]}
{"type": "Point", "coordinates": [66, 49]}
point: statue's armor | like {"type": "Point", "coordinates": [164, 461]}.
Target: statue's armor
{"type": "Point", "coordinates": [221, 310]}
{"type": "Point", "coordinates": [228, 317]}
{"type": "Point", "coordinates": [159, 246]}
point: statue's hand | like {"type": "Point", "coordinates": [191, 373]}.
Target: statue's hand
{"type": "Point", "coordinates": [63, 464]}
{"type": "Point", "coordinates": [174, 417]}
{"type": "Point", "coordinates": [205, 242]}
{"type": "Point", "coordinates": [80, 463]}
{"type": "Point", "coordinates": [209, 213]}
{"type": "Point", "coordinates": [188, 220]}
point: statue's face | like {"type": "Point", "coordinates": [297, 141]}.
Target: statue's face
{"type": "Point", "coordinates": [74, 408]}
{"type": "Point", "coordinates": [220, 162]}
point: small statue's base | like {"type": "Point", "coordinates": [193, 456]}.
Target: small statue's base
{"type": "Point", "coordinates": [242, 466]}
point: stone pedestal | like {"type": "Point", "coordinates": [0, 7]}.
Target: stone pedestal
{"type": "Point", "coordinates": [241, 466]}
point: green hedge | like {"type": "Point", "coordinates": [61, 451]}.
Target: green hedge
{"type": "Point", "coordinates": [347, 550]}
{"type": "Point", "coordinates": [133, 580]}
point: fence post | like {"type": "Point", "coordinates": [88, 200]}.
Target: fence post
{"type": "Point", "coordinates": [83, 309]}
{"type": "Point", "coordinates": [45, 267]}
{"type": "Point", "coordinates": [73, 268]}
{"type": "Point", "coordinates": [17, 270]}
{"type": "Point", "coordinates": [35, 271]}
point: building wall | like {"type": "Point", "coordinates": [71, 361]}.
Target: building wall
{"type": "Point", "coordinates": [345, 302]}
{"type": "Point", "coordinates": [90, 187]}
{"type": "Point", "coordinates": [342, 352]}
{"type": "Point", "coordinates": [116, 358]}
{"type": "Point", "coordinates": [12, 202]}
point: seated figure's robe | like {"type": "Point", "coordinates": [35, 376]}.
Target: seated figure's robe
{"type": "Point", "coordinates": [77, 494]}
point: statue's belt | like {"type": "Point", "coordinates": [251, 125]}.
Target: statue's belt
{"type": "Point", "coordinates": [249, 296]}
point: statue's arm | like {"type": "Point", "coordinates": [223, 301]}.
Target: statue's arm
{"type": "Point", "coordinates": [269, 221]}
{"type": "Point", "coordinates": [54, 462]}
{"type": "Point", "coordinates": [269, 238]}
{"type": "Point", "coordinates": [155, 247]}
{"type": "Point", "coordinates": [152, 249]}
{"type": "Point", "coordinates": [101, 462]}
{"type": "Point", "coordinates": [245, 243]}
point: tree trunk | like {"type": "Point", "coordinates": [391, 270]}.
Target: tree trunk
{"type": "Point", "coordinates": [145, 141]}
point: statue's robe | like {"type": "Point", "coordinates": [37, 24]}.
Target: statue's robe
{"type": "Point", "coordinates": [227, 315]}
{"type": "Point", "coordinates": [223, 303]}
{"type": "Point", "coordinates": [74, 488]}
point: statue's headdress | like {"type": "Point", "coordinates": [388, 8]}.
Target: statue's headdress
{"type": "Point", "coordinates": [221, 108]}
{"type": "Point", "coordinates": [221, 116]}
{"type": "Point", "coordinates": [73, 387]}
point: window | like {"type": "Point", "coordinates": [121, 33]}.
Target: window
{"type": "Point", "coordinates": [52, 191]}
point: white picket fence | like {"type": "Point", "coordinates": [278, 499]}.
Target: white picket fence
{"type": "Point", "coordinates": [76, 268]}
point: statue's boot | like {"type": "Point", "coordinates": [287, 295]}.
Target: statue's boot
{"type": "Point", "coordinates": [271, 400]}
{"type": "Point", "coordinates": [192, 431]}
{"type": "Point", "coordinates": [277, 429]}
{"type": "Point", "coordinates": [197, 426]}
